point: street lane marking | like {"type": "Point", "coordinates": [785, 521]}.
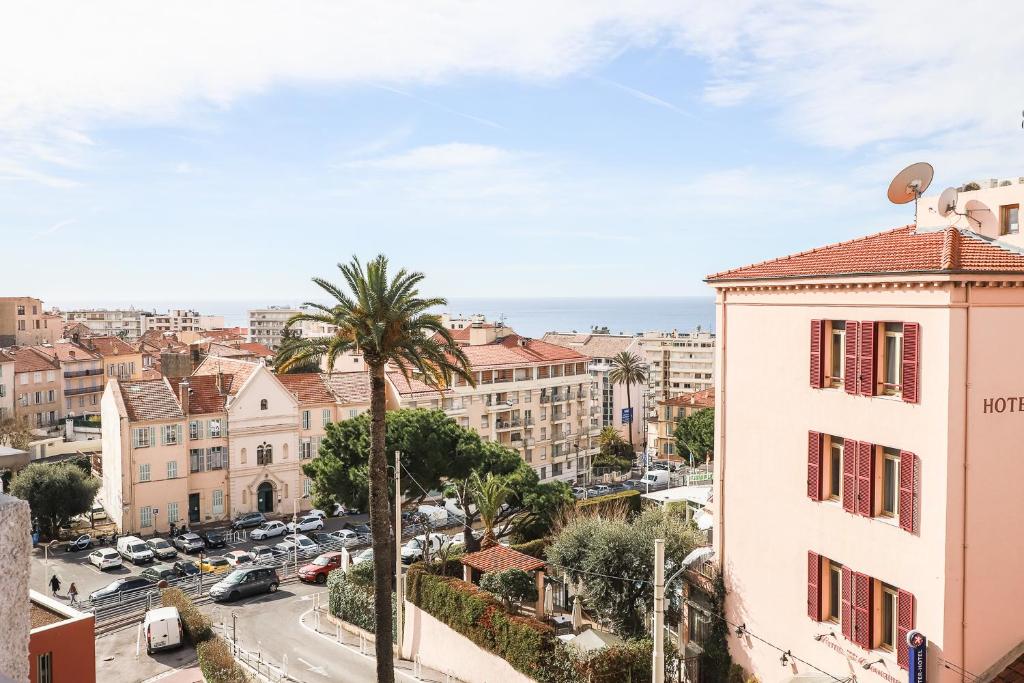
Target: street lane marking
{"type": "Point", "coordinates": [313, 669]}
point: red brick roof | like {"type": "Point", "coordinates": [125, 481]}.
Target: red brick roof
{"type": "Point", "coordinates": [67, 352]}
{"type": "Point", "coordinates": [203, 396]}
{"type": "Point", "coordinates": [410, 385]}
{"type": "Point", "coordinates": [901, 250]}
{"type": "Point", "coordinates": [150, 400]}
{"type": "Point", "coordinates": [697, 399]}
{"type": "Point", "coordinates": [349, 387]}
{"type": "Point", "coordinates": [516, 350]}
{"type": "Point", "coordinates": [241, 369]}
{"type": "Point", "coordinates": [308, 387]}
{"type": "Point", "coordinates": [498, 558]}
{"type": "Point", "coordinates": [109, 346]}
{"type": "Point", "coordinates": [1014, 673]}
{"type": "Point", "coordinates": [27, 359]}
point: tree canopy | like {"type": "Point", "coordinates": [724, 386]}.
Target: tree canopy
{"type": "Point", "coordinates": [55, 493]}
{"type": "Point", "coordinates": [613, 559]}
{"type": "Point", "coordinates": [512, 586]}
{"type": "Point", "coordinates": [15, 434]}
{"type": "Point", "coordinates": [695, 434]}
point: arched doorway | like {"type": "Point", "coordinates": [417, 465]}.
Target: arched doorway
{"type": "Point", "coordinates": [265, 497]}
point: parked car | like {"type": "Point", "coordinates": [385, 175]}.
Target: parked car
{"type": "Point", "coordinates": [163, 629]}
{"type": "Point", "coordinates": [361, 529]}
{"type": "Point", "coordinates": [306, 547]}
{"type": "Point", "coordinates": [413, 549]}
{"type": "Point", "coordinates": [83, 542]}
{"type": "Point", "coordinates": [656, 480]}
{"type": "Point", "coordinates": [133, 549]}
{"type": "Point", "coordinates": [579, 492]}
{"type": "Point", "coordinates": [306, 523]}
{"type": "Point", "coordinates": [188, 543]}
{"type": "Point", "coordinates": [346, 537]}
{"type": "Point", "coordinates": [237, 558]}
{"type": "Point", "coordinates": [363, 556]}
{"type": "Point", "coordinates": [317, 570]}
{"type": "Point", "coordinates": [264, 554]}
{"type": "Point", "coordinates": [460, 538]}
{"type": "Point", "coordinates": [105, 558]}
{"type": "Point", "coordinates": [340, 510]}
{"type": "Point", "coordinates": [268, 530]}
{"type": "Point", "coordinates": [214, 565]}
{"type": "Point", "coordinates": [186, 568]}
{"type": "Point", "coordinates": [317, 513]}
{"type": "Point", "coordinates": [127, 588]}
{"type": "Point", "coordinates": [213, 539]}
{"type": "Point", "coordinates": [432, 514]}
{"type": "Point", "coordinates": [164, 572]}
{"type": "Point", "coordinates": [248, 521]}
{"type": "Point", "coordinates": [245, 581]}
{"type": "Point", "coordinates": [618, 488]}
{"type": "Point", "coordinates": [161, 548]}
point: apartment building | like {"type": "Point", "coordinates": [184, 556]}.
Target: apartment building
{"type": "Point", "coordinates": [665, 416]}
{"type": "Point", "coordinates": [131, 323]}
{"type": "Point", "coordinates": [121, 360]}
{"type": "Point", "coordinates": [38, 387]}
{"type": "Point", "coordinates": [867, 464]}
{"type": "Point", "coordinates": [82, 372]}
{"type": "Point", "coordinates": [601, 348]}
{"type": "Point", "coordinates": [203, 400]}
{"type": "Point", "coordinates": [180, 320]}
{"type": "Point", "coordinates": [678, 361]}
{"type": "Point", "coordinates": [535, 397]}
{"type": "Point", "coordinates": [24, 323]}
{"type": "Point", "coordinates": [266, 325]}
{"type": "Point", "coordinates": [6, 385]}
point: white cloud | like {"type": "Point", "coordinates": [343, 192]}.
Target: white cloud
{"type": "Point", "coordinates": [446, 157]}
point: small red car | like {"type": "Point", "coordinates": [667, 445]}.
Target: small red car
{"type": "Point", "coordinates": [317, 570]}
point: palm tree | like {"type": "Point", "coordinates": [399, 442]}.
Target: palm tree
{"type": "Point", "coordinates": [489, 494]}
{"type": "Point", "coordinates": [386, 321]}
{"type": "Point", "coordinates": [628, 369]}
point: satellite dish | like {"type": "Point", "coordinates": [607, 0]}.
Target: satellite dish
{"type": "Point", "coordinates": [910, 183]}
{"type": "Point", "coordinates": [975, 207]}
{"type": "Point", "coordinates": [947, 202]}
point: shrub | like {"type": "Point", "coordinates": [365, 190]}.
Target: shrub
{"type": "Point", "coordinates": [217, 663]}
{"type": "Point", "coordinates": [350, 599]}
{"type": "Point", "coordinates": [536, 548]}
{"type": "Point", "coordinates": [631, 498]}
{"type": "Point", "coordinates": [513, 586]}
{"type": "Point", "coordinates": [197, 627]}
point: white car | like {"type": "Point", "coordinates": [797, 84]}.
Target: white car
{"type": "Point", "coordinates": [307, 523]}
{"type": "Point", "coordinates": [238, 558]}
{"type": "Point", "coordinates": [317, 513]}
{"type": "Point", "coordinates": [268, 530]}
{"type": "Point", "coordinates": [460, 538]}
{"type": "Point", "coordinates": [307, 548]}
{"type": "Point", "coordinates": [346, 537]}
{"type": "Point", "coordinates": [363, 556]}
{"type": "Point", "coordinates": [412, 551]}
{"type": "Point", "coordinates": [105, 558]}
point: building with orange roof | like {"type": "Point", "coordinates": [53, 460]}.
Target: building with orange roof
{"type": "Point", "coordinates": [666, 415]}
{"type": "Point", "coordinates": [530, 395]}
{"type": "Point", "coordinates": [121, 360]}
{"type": "Point", "coordinates": [38, 388]}
{"type": "Point", "coordinates": [82, 374]}
{"type": "Point", "coordinates": [867, 459]}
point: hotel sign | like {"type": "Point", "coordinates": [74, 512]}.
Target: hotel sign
{"type": "Point", "coordinates": [1003, 404]}
{"type": "Point", "coordinates": [918, 651]}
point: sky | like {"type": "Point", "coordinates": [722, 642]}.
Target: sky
{"type": "Point", "coordinates": [193, 151]}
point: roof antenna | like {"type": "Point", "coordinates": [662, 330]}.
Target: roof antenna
{"type": "Point", "coordinates": [910, 183]}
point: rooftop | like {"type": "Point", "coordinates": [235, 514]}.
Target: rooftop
{"type": "Point", "coordinates": [697, 399]}
{"type": "Point", "coordinates": [68, 352]}
{"type": "Point", "coordinates": [349, 387]}
{"type": "Point", "coordinates": [28, 359]}
{"type": "Point", "coordinates": [498, 558]}
{"type": "Point", "coordinates": [900, 250]}
{"type": "Point", "coordinates": [150, 400]}
{"type": "Point", "coordinates": [109, 346]}
{"type": "Point", "coordinates": [594, 345]}
{"type": "Point", "coordinates": [307, 387]}
{"type": "Point", "coordinates": [204, 397]}
{"type": "Point", "coordinates": [241, 369]}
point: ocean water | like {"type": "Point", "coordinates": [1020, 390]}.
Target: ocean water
{"type": "Point", "coordinates": [531, 317]}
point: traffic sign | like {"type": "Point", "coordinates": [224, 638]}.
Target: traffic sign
{"type": "Point", "coordinates": [627, 416]}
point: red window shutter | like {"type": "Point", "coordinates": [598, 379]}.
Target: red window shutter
{"type": "Point", "coordinates": [846, 604]}
{"type": "Point", "coordinates": [909, 487]}
{"type": "Point", "coordinates": [862, 610]}
{"type": "Point", "coordinates": [814, 465]}
{"type": "Point", "coordinates": [904, 623]}
{"type": "Point", "coordinates": [817, 348]}
{"type": "Point", "coordinates": [814, 586]}
{"type": "Point", "coordinates": [865, 479]}
{"type": "Point", "coordinates": [911, 351]}
{"type": "Point", "coordinates": [867, 367]}
{"type": "Point", "coordinates": [850, 449]}
{"type": "Point", "coordinates": [850, 354]}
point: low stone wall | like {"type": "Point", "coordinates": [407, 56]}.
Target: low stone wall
{"type": "Point", "coordinates": [440, 647]}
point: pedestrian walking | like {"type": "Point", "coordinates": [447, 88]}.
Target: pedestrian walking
{"type": "Point", "coordinates": [73, 593]}
{"type": "Point", "coordinates": [54, 585]}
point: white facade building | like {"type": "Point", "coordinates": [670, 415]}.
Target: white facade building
{"type": "Point", "coordinates": [678, 362]}
{"type": "Point", "coordinates": [266, 325]}
{"type": "Point", "coordinates": [133, 323]}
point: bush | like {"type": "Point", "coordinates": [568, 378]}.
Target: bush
{"type": "Point", "coordinates": [536, 548]}
{"type": "Point", "coordinates": [513, 586]}
{"type": "Point", "coordinates": [197, 627]}
{"type": "Point", "coordinates": [351, 597]}
{"type": "Point", "coordinates": [217, 663]}
{"type": "Point", "coordinates": [631, 498]}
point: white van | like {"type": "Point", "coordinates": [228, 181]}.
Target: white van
{"type": "Point", "coordinates": [162, 629]}
{"type": "Point", "coordinates": [656, 480]}
{"type": "Point", "coordinates": [134, 549]}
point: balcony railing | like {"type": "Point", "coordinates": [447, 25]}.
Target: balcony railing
{"type": "Point", "coordinates": [68, 374]}
{"type": "Point", "coordinates": [75, 391]}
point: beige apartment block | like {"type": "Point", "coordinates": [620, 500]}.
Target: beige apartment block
{"type": "Point", "coordinates": [38, 387]}
{"type": "Point", "coordinates": [6, 385]}
{"type": "Point", "coordinates": [266, 326]}
{"type": "Point", "coordinates": [535, 397]}
{"type": "Point", "coordinates": [82, 373]}
{"type": "Point", "coordinates": [678, 361]}
{"type": "Point", "coordinates": [121, 360]}
{"type": "Point", "coordinates": [23, 322]}
{"type": "Point", "coordinates": [126, 323]}
{"type": "Point", "coordinates": [665, 416]}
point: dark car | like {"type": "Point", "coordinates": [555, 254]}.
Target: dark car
{"type": "Point", "coordinates": [246, 581]}
{"type": "Point", "coordinates": [213, 539]}
{"type": "Point", "coordinates": [361, 529]}
{"type": "Point", "coordinates": [186, 568]}
{"type": "Point", "coordinates": [248, 520]}
{"type": "Point", "coordinates": [128, 588]}
{"type": "Point", "coordinates": [163, 572]}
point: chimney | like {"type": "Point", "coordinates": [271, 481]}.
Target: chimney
{"type": "Point", "coordinates": [220, 382]}
{"type": "Point", "coordinates": [183, 396]}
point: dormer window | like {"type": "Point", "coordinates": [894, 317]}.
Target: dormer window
{"type": "Point", "coordinates": [263, 404]}
{"type": "Point", "coordinates": [1009, 219]}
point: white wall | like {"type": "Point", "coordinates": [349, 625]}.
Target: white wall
{"type": "Point", "coordinates": [111, 490]}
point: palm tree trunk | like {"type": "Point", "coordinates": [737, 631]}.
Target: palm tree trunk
{"type": "Point", "coordinates": [380, 526]}
{"type": "Point", "coordinates": [629, 405]}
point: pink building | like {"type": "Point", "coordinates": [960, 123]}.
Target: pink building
{"type": "Point", "coordinates": [878, 491]}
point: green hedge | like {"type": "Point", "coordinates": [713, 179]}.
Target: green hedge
{"type": "Point", "coordinates": [197, 626]}
{"type": "Point", "coordinates": [350, 601]}
{"type": "Point", "coordinates": [631, 498]}
{"type": "Point", "coordinates": [521, 641]}
{"type": "Point", "coordinates": [536, 548]}
{"type": "Point", "coordinates": [217, 663]}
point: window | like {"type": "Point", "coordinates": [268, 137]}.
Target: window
{"type": "Point", "coordinates": [325, 416]}
{"type": "Point", "coordinates": [214, 429]}
{"type": "Point", "coordinates": [216, 459]}
{"type": "Point", "coordinates": [1009, 219]}
{"type": "Point", "coordinates": [305, 419]}
{"type": "Point", "coordinates": [306, 449]}
{"type": "Point", "coordinates": [835, 591]}
{"type": "Point", "coordinates": [263, 404]}
{"type": "Point", "coordinates": [890, 617]}
{"type": "Point", "coordinates": [218, 502]}
{"type": "Point", "coordinates": [194, 429]}
{"type": "Point", "coordinates": [307, 486]}
{"type": "Point", "coordinates": [837, 353]}
{"type": "Point", "coordinates": [196, 460]}
{"type": "Point", "coordinates": [50, 396]}
{"type": "Point", "coordinates": [892, 357]}
{"type": "Point", "coordinates": [170, 434]}
{"type": "Point", "coordinates": [353, 412]}
{"type": "Point", "coordinates": [51, 375]}
{"type": "Point", "coordinates": [172, 513]}
{"type": "Point", "coordinates": [44, 662]}
{"type": "Point", "coordinates": [835, 471]}
{"type": "Point", "coordinates": [890, 482]}
{"type": "Point", "coordinates": [144, 472]}
{"type": "Point", "coordinates": [146, 517]}
{"type": "Point", "coordinates": [172, 469]}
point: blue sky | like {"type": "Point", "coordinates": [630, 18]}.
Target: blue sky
{"type": "Point", "coordinates": [578, 150]}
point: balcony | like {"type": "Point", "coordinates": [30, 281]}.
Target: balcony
{"type": "Point", "coordinates": [82, 390]}
{"type": "Point", "coordinates": [545, 398]}
{"type": "Point", "coordinates": [68, 374]}
{"type": "Point", "coordinates": [507, 424]}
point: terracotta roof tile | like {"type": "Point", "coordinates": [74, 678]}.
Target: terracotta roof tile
{"type": "Point", "coordinates": [241, 369]}
{"type": "Point", "coordinates": [67, 352]}
{"type": "Point", "coordinates": [349, 387]}
{"type": "Point", "coordinates": [27, 359]}
{"type": "Point", "coordinates": [1013, 673]}
{"type": "Point", "coordinates": [901, 250]}
{"type": "Point", "coordinates": [593, 345]}
{"type": "Point", "coordinates": [307, 387]}
{"type": "Point", "coordinates": [203, 396]}
{"type": "Point", "coordinates": [499, 558]}
{"type": "Point", "coordinates": [109, 346]}
{"type": "Point", "coordinates": [410, 385]}
{"type": "Point", "coordinates": [150, 400]}
{"type": "Point", "coordinates": [698, 399]}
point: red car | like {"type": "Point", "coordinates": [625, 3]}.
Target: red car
{"type": "Point", "coordinates": [317, 570]}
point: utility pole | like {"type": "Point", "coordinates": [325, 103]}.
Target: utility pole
{"type": "Point", "coordinates": [295, 530]}
{"type": "Point", "coordinates": [399, 588]}
{"type": "Point", "coordinates": [659, 611]}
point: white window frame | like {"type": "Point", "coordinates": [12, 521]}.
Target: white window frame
{"type": "Point", "coordinates": [325, 417]}
{"type": "Point", "coordinates": [172, 469]}
{"type": "Point", "coordinates": [889, 596]}
{"type": "Point", "coordinates": [146, 517]}
{"type": "Point", "coordinates": [305, 419]}
{"type": "Point", "coordinates": [218, 502]}
{"type": "Point", "coordinates": [172, 513]}
{"type": "Point", "coordinates": [144, 472]}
